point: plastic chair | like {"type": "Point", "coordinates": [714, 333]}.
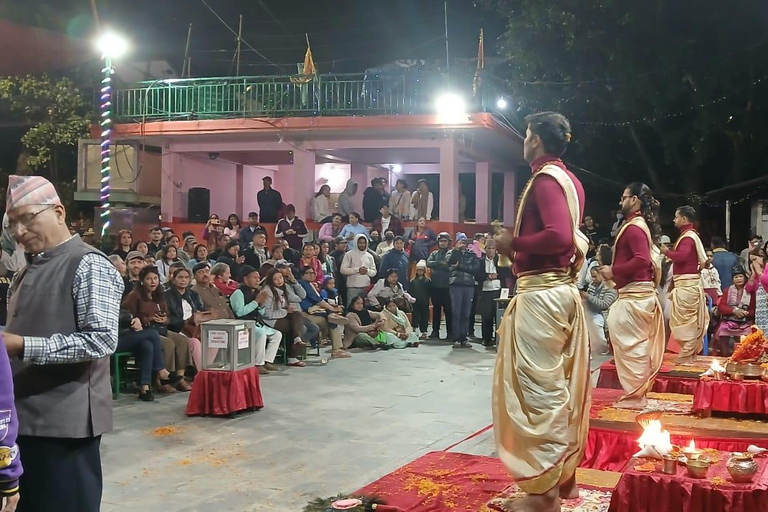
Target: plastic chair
{"type": "Point", "coordinates": [119, 360]}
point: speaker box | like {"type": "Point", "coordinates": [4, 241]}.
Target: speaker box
{"type": "Point", "coordinates": [198, 204]}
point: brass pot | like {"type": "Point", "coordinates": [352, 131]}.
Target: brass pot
{"type": "Point", "coordinates": [764, 375]}
{"type": "Point", "coordinates": [741, 468]}
{"type": "Point", "coordinates": [737, 376]}
{"type": "Point", "coordinates": [698, 468]}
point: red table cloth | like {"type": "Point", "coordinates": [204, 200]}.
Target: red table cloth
{"type": "Point", "coordinates": [220, 393]}
{"type": "Point", "coordinates": [747, 396]}
{"type": "Point", "coordinates": [657, 492]}
{"type": "Point", "coordinates": [609, 449]}
{"type": "Point", "coordinates": [664, 383]}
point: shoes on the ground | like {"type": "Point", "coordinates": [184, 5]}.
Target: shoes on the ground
{"type": "Point", "coordinates": [262, 370]}
{"type": "Point", "coordinates": [340, 354]}
{"type": "Point", "coordinates": [182, 385]}
{"type": "Point", "coordinates": [146, 396]}
{"type": "Point", "coordinates": [461, 344]}
{"type": "Point", "coordinates": [413, 344]}
{"type": "Point", "coordinates": [164, 389]}
{"type": "Point", "coordinates": [298, 364]}
{"type": "Point", "coordinates": [435, 335]}
{"type": "Point", "coordinates": [271, 367]}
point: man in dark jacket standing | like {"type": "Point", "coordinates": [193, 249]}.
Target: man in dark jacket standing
{"type": "Point", "coordinates": [373, 200]}
{"type": "Point", "coordinates": [723, 261]}
{"type": "Point", "coordinates": [465, 267]}
{"type": "Point", "coordinates": [63, 318]}
{"type": "Point", "coordinates": [270, 202]}
{"type": "Point", "coordinates": [441, 275]}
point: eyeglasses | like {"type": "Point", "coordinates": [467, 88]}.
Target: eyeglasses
{"type": "Point", "coordinates": [626, 197]}
{"type": "Point", "coordinates": [26, 220]}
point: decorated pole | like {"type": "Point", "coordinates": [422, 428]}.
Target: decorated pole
{"type": "Point", "coordinates": [111, 46]}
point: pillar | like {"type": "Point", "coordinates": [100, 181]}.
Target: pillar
{"type": "Point", "coordinates": [240, 191]}
{"type": "Point", "coordinates": [449, 181]}
{"type": "Point", "coordinates": [303, 182]}
{"type": "Point", "coordinates": [171, 200]}
{"type": "Point", "coordinates": [510, 199]}
{"type": "Point", "coordinates": [483, 206]}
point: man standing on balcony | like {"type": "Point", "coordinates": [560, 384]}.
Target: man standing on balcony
{"type": "Point", "coordinates": [270, 202]}
{"type": "Point", "coordinates": [688, 317]}
{"type": "Point", "coordinates": [541, 381]}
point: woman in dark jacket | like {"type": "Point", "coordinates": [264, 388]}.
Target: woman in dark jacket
{"type": "Point", "coordinates": [421, 242]}
{"type": "Point", "coordinates": [146, 347]}
{"type": "Point", "coordinates": [183, 303]}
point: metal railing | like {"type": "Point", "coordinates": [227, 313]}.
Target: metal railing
{"type": "Point", "coordinates": [403, 93]}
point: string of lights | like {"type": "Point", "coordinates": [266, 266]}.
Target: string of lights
{"type": "Point", "coordinates": [106, 139]}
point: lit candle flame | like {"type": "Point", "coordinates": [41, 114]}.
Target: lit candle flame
{"type": "Point", "coordinates": [653, 435]}
{"type": "Point", "coordinates": [716, 366]}
{"type": "Point", "coordinates": [692, 446]}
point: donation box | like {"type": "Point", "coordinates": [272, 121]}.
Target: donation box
{"type": "Point", "coordinates": [228, 345]}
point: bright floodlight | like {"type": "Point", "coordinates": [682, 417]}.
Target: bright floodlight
{"type": "Point", "coordinates": [501, 104]}
{"type": "Point", "coordinates": [111, 45]}
{"type": "Point", "coordinates": [451, 108]}
{"type": "Point", "coordinates": [397, 168]}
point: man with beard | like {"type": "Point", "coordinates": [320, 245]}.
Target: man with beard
{"type": "Point", "coordinates": [133, 263]}
{"type": "Point", "coordinates": [636, 320]}
{"type": "Point", "coordinates": [689, 317]}
{"type": "Point", "coordinates": [541, 381]}
{"type": "Point", "coordinates": [156, 241]}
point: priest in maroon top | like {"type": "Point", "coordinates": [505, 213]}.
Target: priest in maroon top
{"type": "Point", "coordinates": [689, 314]}
{"type": "Point", "coordinates": [636, 320]}
{"type": "Point", "coordinates": [541, 380]}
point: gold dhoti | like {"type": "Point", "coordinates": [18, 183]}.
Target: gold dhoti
{"type": "Point", "coordinates": [541, 383]}
{"type": "Point", "coordinates": [689, 317]}
{"type": "Point", "coordinates": [636, 326]}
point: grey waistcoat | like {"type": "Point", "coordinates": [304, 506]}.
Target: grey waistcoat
{"type": "Point", "coordinates": [56, 400]}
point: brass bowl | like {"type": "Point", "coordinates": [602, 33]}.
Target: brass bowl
{"type": "Point", "coordinates": [748, 370]}
{"type": "Point", "coordinates": [737, 376]}
{"type": "Point", "coordinates": [698, 468]}
{"type": "Point", "coordinates": [741, 468]}
{"type": "Point", "coordinates": [764, 375]}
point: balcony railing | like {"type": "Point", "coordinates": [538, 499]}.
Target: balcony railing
{"type": "Point", "coordinates": [404, 93]}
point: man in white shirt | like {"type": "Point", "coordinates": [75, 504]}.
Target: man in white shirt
{"type": "Point", "coordinates": [491, 290]}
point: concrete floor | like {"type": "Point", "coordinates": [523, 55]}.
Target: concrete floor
{"type": "Point", "coordinates": [324, 429]}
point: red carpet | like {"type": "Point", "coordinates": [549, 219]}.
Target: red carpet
{"type": "Point", "coordinates": [441, 481]}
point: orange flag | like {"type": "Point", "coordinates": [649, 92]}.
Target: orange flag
{"type": "Point", "coordinates": [309, 62]}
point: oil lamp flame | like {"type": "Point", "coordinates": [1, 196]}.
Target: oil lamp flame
{"type": "Point", "coordinates": [653, 435]}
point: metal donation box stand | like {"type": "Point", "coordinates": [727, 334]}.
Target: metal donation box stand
{"type": "Point", "coordinates": [228, 345]}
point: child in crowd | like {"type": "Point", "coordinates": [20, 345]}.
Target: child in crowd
{"type": "Point", "coordinates": [329, 293]}
{"type": "Point", "coordinates": [420, 288]}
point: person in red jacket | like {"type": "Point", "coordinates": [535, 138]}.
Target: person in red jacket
{"type": "Point", "coordinates": [636, 320]}
{"type": "Point", "coordinates": [736, 309]}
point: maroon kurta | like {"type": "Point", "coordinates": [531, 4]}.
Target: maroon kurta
{"type": "Point", "coordinates": [632, 259]}
{"type": "Point", "coordinates": [685, 258]}
{"type": "Point", "coordinates": [546, 237]}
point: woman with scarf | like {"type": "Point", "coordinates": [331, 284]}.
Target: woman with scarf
{"type": "Point", "coordinates": [736, 308]}
{"type": "Point", "coordinates": [398, 328]}
{"type": "Point", "coordinates": [183, 306]}
{"type": "Point", "coordinates": [422, 202]}
{"type": "Point", "coordinates": [309, 260]}
{"type": "Point", "coordinates": [222, 279]}
{"type": "Point", "coordinates": [363, 327]}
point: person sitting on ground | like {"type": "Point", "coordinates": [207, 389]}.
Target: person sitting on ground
{"type": "Point", "coordinates": [324, 315]}
{"type": "Point", "coordinates": [320, 206]}
{"type": "Point", "coordinates": [146, 347]}
{"type": "Point", "coordinates": [256, 254]}
{"type": "Point", "coordinates": [168, 256]}
{"type": "Point", "coordinates": [148, 304]}
{"type": "Point", "coordinates": [398, 328]}
{"type": "Point", "coordinates": [199, 255]}
{"type": "Point", "coordinates": [221, 247]}
{"type": "Point", "coordinates": [280, 315]}
{"type": "Point", "coordinates": [309, 260]}
{"type": "Point", "coordinates": [389, 289]}
{"type": "Point", "coordinates": [233, 257]}
{"type": "Point", "coordinates": [421, 289]}
{"type": "Point", "coordinates": [233, 226]}
{"type": "Point", "coordinates": [183, 305]}
{"type": "Point", "coordinates": [736, 309]}
{"type": "Point", "coordinates": [330, 230]}
{"type": "Point", "coordinates": [398, 260]}
{"type": "Point", "coordinates": [247, 232]}
{"type": "Point", "coordinates": [222, 279]}
{"type": "Point", "coordinates": [710, 279]}
{"type": "Point", "coordinates": [291, 228]}
{"type": "Point", "coordinates": [387, 222]}
{"type": "Point", "coordinates": [245, 306]}
{"type": "Point", "coordinates": [354, 228]}
{"type": "Point", "coordinates": [358, 266]}
{"type": "Point", "coordinates": [362, 327]}
{"type": "Point", "coordinates": [124, 241]}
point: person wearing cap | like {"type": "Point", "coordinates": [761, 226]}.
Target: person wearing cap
{"type": "Point", "coordinates": [441, 277]}
{"type": "Point", "coordinates": [465, 269]}
{"type": "Point", "coordinates": [270, 202]}
{"type": "Point", "coordinates": [541, 383]}
{"type": "Point", "coordinates": [246, 306]}
{"type": "Point", "coordinates": [420, 289]}
{"type": "Point", "coordinates": [636, 319]}
{"type": "Point", "coordinates": [63, 317]}
{"type": "Point", "coordinates": [189, 247]}
{"type": "Point", "coordinates": [291, 228]}
{"type": "Point", "coordinates": [133, 264]}
{"type": "Point", "coordinates": [689, 315]}
{"type": "Point", "coordinates": [248, 232]}
{"type": "Point", "coordinates": [736, 309]}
